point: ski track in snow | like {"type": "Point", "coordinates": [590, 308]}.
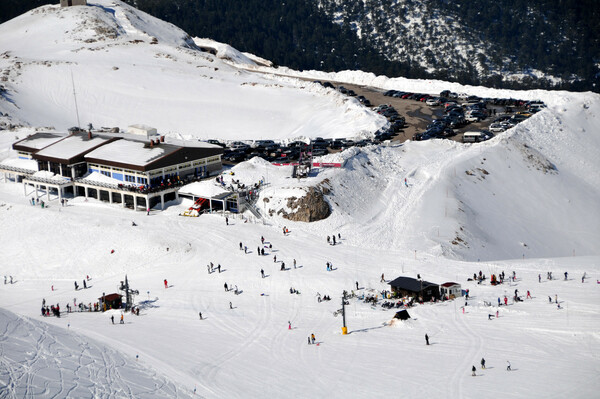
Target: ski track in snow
{"type": "Point", "coordinates": [42, 360]}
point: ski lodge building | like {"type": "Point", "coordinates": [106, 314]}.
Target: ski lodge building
{"type": "Point", "coordinates": [137, 170]}
{"type": "Point", "coordinates": [419, 289]}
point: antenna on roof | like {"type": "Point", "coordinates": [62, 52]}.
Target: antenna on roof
{"type": "Point", "coordinates": [75, 97]}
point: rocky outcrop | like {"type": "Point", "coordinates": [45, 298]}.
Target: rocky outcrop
{"type": "Point", "coordinates": [310, 208]}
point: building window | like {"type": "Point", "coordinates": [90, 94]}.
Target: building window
{"type": "Point", "coordinates": [105, 173]}
{"type": "Point", "coordinates": [130, 179]}
{"type": "Point", "coordinates": [142, 180]}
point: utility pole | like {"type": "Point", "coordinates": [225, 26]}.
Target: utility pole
{"type": "Point", "coordinates": [344, 328]}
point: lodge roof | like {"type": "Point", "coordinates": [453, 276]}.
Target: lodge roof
{"type": "Point", "coordinates": [411, 284]}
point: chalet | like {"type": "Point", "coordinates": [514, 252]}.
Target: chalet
{"type": "Point", "coordinates": [411, 287]}
{"type": "Point", "coordinates": [112, 301]}
{"type": "Point", "coordinates": [450, 290]}
{"type": "Point", "coordinates": [137, 170]}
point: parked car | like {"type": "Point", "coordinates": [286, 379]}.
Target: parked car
{"type": "Point", "coordinates": [216, 142]}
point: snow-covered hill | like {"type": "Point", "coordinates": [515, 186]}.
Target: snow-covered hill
{"type": "Point", "coordinates": [527, 201]}
{"type": "Point", "coordinates": [127, 67]}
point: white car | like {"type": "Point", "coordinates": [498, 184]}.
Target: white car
{"type": "Point", "coordinates": [433, 101]}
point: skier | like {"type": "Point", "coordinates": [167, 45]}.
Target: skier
{"type": "Point", "coordinates": [566, 274]}
{"type": "Point", "coordinates": [147, 211]}
{"type": "Point", "coordinates": [382, 278]}
{"type": "Point", "coordinates": [262, 240]}
{"type": "Point", "coordinates": [582, 278]}
{"type": "Point", "coordinates": [225, 285]}
{"type": "Point", "coordinates": [339, 236]}
{"type": "Point", "coordinates": [166, 284]}
{"type": "Point", "coordinates": [258, 251]}
{"type": "Point", "coordinates": [312, 338]}
{"type": "Point", "coordinates": [84, 284]}
{"type": "Point", "coordinates": [357, 286]}
{"type": "Point", "coordinates": [555, 298]}
{"type": "Point", "coordinates": [473, 370]}
{"type": "Point", "coordinates": [549, 299]}
{"type": "Point", "coordinates": [226, 221]}
{"type": "Point", "coordinates": [11, 280]}
{"type": "Point", "coordinates": [121, 322]}
{"type": "Point", "coordinates": [282, 266]}
{"type": "Point", "coordinates": [241, 246]}
{"type": "Point", "coordinates": [262, 273]}
{"type": "Point", "coordinates": [505, 301]}
{"type": "Point", "coordinates": [328, 240]}
{"type": "Point", "coordinates": [405, 182]}
{"type": "Point", "coordinates": [289, 325]}
{"type": "Point", "coordinates": [294, 263]}
{"type": "Point", "coordinates": [76, 286]}
{"type": "Point", "coordinates": [245, 249]}
{"type": "Point", "coordinates": [112, 318]}
{"type": "Point", "coordinates": [219, 268]}
{"type": "Point", "coordinates": [489, 316]}
{"type": "Point", "coordinates": [508, 366]}
{"type": "Point", "coordinates": [230, 305]}
{"type": "Point", "coordinates": [499, 303]}
{"type": "Point", "coordinates": [426, 339]}
{"type": "Point", "coordinates": [333, 240]}
{"type": "Point", "coordinates": [200, 314]}
{"type": "Point", "coordinates": [309, 340]}
{"type": "Point", "coordinates": [528, 294]}
{"type": "Point", "coordinates": [539, 278]}
{"type": "Point", "coordinates": [262, 251]}
{"type": "Point", "coordinates": [274, 258]}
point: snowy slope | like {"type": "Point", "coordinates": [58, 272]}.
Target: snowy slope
{"type": "Point", "coordinates": [248, 351]}
{"type": "Point", "coordinates": [526, 201]}
{"type": "Point", "coordinates": [128, 67]}
{"type": "Point", "coordinates": [66, 364]}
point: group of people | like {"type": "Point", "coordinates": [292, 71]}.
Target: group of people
{"type": "Point", "coordinates": [6, 279]}
{"type": "Point", "coordinates": [331, 240]}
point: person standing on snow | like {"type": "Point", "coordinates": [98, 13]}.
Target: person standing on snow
{"type": "Point", "coordinates": [566, 275]}
{"type": "Point", "coordinates": [426, 339]}
{"type": "Point", "coordinates": [200, 314]}
{"type": "Point", "coordinates": [112, 318]}
{"type": "Point", "coordinates": [508, 366]}
{"type": "Point", "coordinates": [312, 338]}
{"type": "Point", "coordinates": [262, 273]}
{"type": "Point", "coordinates": [483, 363]}
{"type": "Point", "coordinates": [357, 286]}
{"type": "Point", "coordinates": [225, 285]}
{"type": "Point", "coordinates": [473, 370]}
{"type": "Point", "coordinates": [166, 284]}
{"type": "Point", "coordinates": [294, 263]}
{"type": "Point", "coordinates": [241, 246]}
{"type": "Point", "coordinates": [382, 279]}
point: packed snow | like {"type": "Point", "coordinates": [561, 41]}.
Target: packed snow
{"type": "Point", "coordinates": [527, 201]}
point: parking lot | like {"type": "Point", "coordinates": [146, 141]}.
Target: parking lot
{"type": "Point", "coordinates": [411, 118]}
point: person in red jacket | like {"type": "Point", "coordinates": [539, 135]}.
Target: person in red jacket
{"type": "Point", "coordinates": [166, 284]}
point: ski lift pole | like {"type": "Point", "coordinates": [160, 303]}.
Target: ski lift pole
{"type": "Point", "coordinates": [344, 328]}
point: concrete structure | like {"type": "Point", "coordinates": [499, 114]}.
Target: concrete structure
{"type": "Point", "coordinates": [69, 3]}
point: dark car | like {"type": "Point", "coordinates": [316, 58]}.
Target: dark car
{"type": "Point", "coordinates": [336, 144]}
{"type": "Point", "coordinates": [319, 142]}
